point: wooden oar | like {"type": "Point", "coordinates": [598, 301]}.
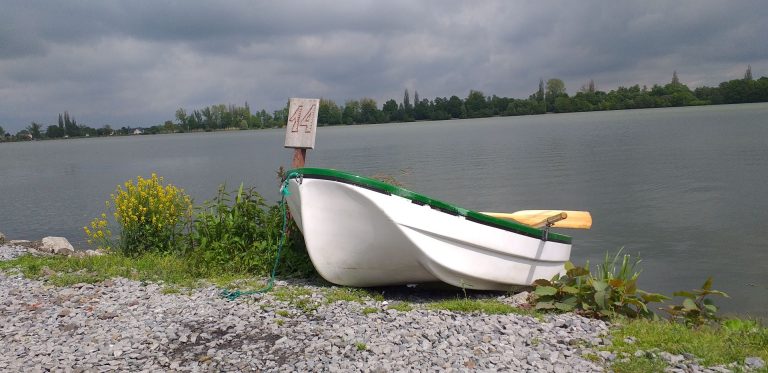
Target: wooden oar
{"type": "Point", "coordinates": [554, 218]}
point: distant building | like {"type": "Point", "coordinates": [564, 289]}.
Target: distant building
{"type": "Point", "coordinates": [138, 131]}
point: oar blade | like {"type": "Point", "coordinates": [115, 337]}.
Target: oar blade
{"type": "Point", "coordinates": [573, 219]}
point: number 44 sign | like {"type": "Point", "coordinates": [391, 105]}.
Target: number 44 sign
{"type": "Point", "coordinates": [302, 123]}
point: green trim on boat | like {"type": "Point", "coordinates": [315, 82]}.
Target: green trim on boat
{"type": "Point", "coordinates": [379, 186]}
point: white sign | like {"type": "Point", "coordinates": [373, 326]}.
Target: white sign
{"type": "Point", "coordinates": [302, 123]}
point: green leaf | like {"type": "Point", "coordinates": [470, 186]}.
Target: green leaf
{"type": "Point", "coordinates": [652, 297]}
{"type": "Point", "coordinates": [707, 284]}
{"type": "Point", "coordinates": [686, 294]}
{"type": "Point", "coordinates": [570, 299]}
{"type": "Point", "coordinates": [602, 299]}
{"type": "Point", "coordinates": [616, 283]}
{"type": "Point", "coordinates": [631, 287]}
{"type": "Point", "coordinates": [599, 285]}
{"type": "Point", "coordinates": [569, 290]}
{"type": "Point", "coordinates": [688, 304]}
{"type": "Point", "coordinates": [564, 306]}
{"type": "Point", "coordinates": [577, 272]}
{"type": "Point", "coordinates": [545, 305]}
{"type": "Point", "coordinates": [569, 265]}
{"type": "Point", "coordinates": [542, 282]}
{"type": "Point", "coordinates": [717, 292]}
{"type": "Point", "coordinates": [545, 290]}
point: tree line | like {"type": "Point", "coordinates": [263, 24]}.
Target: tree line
{"type": "Point", "coordinates": [551, 97]}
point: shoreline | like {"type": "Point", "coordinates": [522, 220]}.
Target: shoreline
{"type": "Point", "coordinates": [122, 324]}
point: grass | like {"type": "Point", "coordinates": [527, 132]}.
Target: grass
{"type": "Point", "coordinates": [361, 346]}
{"type": "Point", "coordinates": [400, 306]}
{"type": "Point", "coordinates": [174, 271]}
{"type": "Point", "coordinates": [639, 365]}
{"type": "Point", "coordinates": [336, 294]}
{"type": "Point", "coordinates": [486, 306]}
{"type": "Point", "coordinates": [714, 345]}
{"type": "Point", "coordinates": [733, 342]}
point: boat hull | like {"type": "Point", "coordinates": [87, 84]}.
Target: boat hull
{"type": "Point", "coordinates": [360, 236]}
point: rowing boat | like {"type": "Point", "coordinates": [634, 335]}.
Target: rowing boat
{"type": "Point", "coordinates": [363, 232]}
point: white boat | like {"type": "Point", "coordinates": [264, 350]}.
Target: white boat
{"type": "Point", "coordinates": [362, 232]}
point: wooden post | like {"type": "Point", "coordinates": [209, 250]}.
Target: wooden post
{"type": "Point", "coordinates": [299, 157]}
{"type": "Point", "coordinates": [301, 128]}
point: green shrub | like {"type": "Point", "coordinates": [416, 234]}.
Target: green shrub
{"type": "Point", "coordinates": [240, 233]}
{"type": "Point", "coordinates": [150, 217]}
{"type": "Point", "coordinates": [612, 291]}
{"type": "Point", "coordinates": [696, 309]}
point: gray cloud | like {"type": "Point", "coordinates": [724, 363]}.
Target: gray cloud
{"type": "Point", "coordinates": [135, 62]}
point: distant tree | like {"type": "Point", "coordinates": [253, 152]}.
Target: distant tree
{"type": "Point", "coordinates": [351, 112]}
{"type": "Point", "coordinates": [369, 112]}
{"type": "Point", "coordinates": [675, 80]}
{"type": "Point", "coordinates": [421, 108]}
{"type": "Point", "coordinates": [476, 105]}
{"type": "Point", "coordinates": [23, 135]}
{"type": "Point", "coordinates": [70, 125]}
{"type": "Point", "coordinates": [555, 89]}
{"type": "Point", "coordinates": [563, 104]}
{"type": "Point", "coordinates": [748, 73]}
{"type": "Point", "coordinates": [328, 113]}
{"type": "Point", "coordinates": [407, 101]}
{"type": "Point", "coordinates": [540, 92]}
{"type": "Point", "coordinates": [181, 116]}
{"type": "Point", "coordinates": [389, 110]}
{"type": "Point", "coordinates": [2, 132]}
{"type": "Point", "coordinates": [54, 132]}
{"type": "Point", "coordinates": [104, 131]}
{"type": "Point", "coordinates": [34, 130]}
{"type": "Point", "coordinates": [456, 107]}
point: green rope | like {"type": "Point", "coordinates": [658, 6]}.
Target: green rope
{"type": "Point", "coordinates": [284, 192]}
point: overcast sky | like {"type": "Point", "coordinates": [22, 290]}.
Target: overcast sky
{"type": "Point", "coordinates": [133, 63]}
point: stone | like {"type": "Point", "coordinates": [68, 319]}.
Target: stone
{"type": "Point", "coordinates": [57, 245]}
{"type": "Point", "coordinates": [754, 362]}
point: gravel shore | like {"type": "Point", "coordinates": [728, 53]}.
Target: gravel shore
{"type": "Point", "coordinates": [124, 325]}
{"type": "Point", "coordinates": [127, 325]}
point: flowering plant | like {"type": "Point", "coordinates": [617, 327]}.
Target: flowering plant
{"type": "Point", "coordinates": [151, 217]}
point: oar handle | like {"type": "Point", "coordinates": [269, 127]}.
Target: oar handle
{"type": "Point", "coordinates": [550, 221]}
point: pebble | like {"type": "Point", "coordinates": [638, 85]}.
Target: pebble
{"type": "Point", "coordinates": [127, 325]}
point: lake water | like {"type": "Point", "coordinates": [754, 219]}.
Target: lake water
{"type": "Point", "coordinates": [685, 188]}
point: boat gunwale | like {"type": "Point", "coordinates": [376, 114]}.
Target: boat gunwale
{"type": "Point", "coordinates": [389, 189]}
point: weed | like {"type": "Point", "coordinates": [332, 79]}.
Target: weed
{"type": "Point", "coordinates": [400, 306]}
{"type": "Point", "coordinates": [696, 309]}
{"type": "Point", "coordinates": [361, 346]}
{"type": "Point", "coordinates": [486, 306]}
{"type": "Point", "coordinates": [238, 234]}
{"type": "Point", "coordinates": [640, 364]}
{"type": "Point", "coordinates": [712, 344]}
{"type": "Point", "coordinates": [369, 310]}
{"type": "Point", "coordinates": [612, 291]}
{"type": "Point", "coordinates": [170, 290]}
{"type": "Point", "coordinates": [150, 216]}
{"type": "Point", "coordinates": [290, 293]}
{"type": "Point", "coordinates": [336, 294]}
{"type": "Point", "coordinates": [591, 357]}
{"type": "Point", "coordinates": [283, 313]}
{"type": "Point", "coordinates": [279, 322]}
